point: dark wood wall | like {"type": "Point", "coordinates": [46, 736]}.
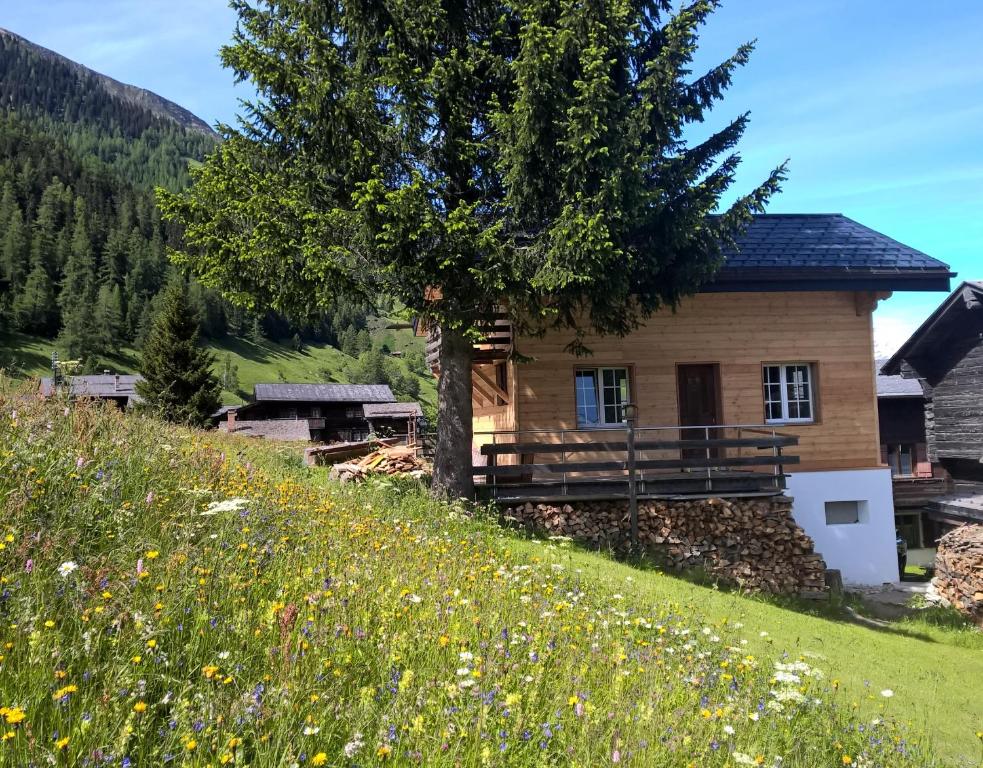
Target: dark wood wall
{"type": "Point", "coordinates": [955, 415]}
{"type": "Point", "coordinates": [901, 419]}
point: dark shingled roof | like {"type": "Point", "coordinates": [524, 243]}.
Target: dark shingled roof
{"type": "Point", "coordinates": [897, 386]}
{"type": "Point", "coordinates": [798, 251]}
{"type": "Point", "coordinates": [392, 410]}
{"type": "Point", "coordinates": [929, 348]}
{"type": "Point", "coordinates": [325, 393]}
{"type": "Point", "coordinates": [271, 429]}
{"type": "Point", "coordinates": [101, 385]}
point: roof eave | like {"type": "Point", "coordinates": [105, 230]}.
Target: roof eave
{"type": "Point", "coordinates": [893, 366]}
{"type": "Point", "coordinates": [818, 279]}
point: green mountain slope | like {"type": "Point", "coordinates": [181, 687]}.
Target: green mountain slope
{"type": "Point", "coordinates": [83, 248]}
{"type": "Point", "coordinates": [255, 362]}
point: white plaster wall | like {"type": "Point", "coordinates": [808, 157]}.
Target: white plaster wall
{"type": "Point", "coordinates": [864, 552]}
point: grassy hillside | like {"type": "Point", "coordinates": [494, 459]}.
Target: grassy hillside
{"type": "Point", "coordinates": [187, 597]}
{"type": "Point", "coordinates": [266, 361]}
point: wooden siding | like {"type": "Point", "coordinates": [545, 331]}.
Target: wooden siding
{"type": "Point", "coordinates": [955, 415]}
{"type": "Point", "coordinates": [493, 418]}
{"type": "Point", "coordinates": [740, 332]}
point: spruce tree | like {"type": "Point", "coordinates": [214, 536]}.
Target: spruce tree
{"type": "Point", "coordinates": [15, 249]}
{"type": "Point", "coordinates": [458, 157]}
{"type": "Point", "coordinates": [178, 384]}
{"type": "Point", "coordinates": [109, 317]}
{"type": "Point", "coordinates": [34, 309]}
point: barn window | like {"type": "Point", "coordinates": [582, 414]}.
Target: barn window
{"type": "Point", "coordinates": [900, 459]}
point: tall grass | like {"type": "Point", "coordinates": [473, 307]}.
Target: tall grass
{"type": "Point", "coordinates": [223, 612]}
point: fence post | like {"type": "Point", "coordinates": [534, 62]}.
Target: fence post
{"type": "Point", "coordinates": [630, 415]}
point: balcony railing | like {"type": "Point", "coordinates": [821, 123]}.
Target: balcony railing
{"type": "Point", "coordinates": [626, 462]}
{"type": "Point", "coordinates": [495, 344]}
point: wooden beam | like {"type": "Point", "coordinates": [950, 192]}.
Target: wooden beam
{"type": "Point", "coordinates": [501, 393]}
{"type": "Point", "coordinates": [477, 386]}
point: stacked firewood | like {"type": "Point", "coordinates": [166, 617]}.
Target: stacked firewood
{"type": "Point", "coordinates": [394, 460]}
{"type": "Point", "coordinates": [959, 570]}
{"type": "Point", "coordinates": [753, 542]}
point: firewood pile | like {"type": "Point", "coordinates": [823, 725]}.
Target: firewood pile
{"type": "Point", "coordinates": [388, 460]}
{"type": "Point", "coordinates": [959, 570]}
{"type": "Point", "coordinates": [755, 543]}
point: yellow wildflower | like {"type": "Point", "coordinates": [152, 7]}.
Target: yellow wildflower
{"type": "Point", "coordinates": [319, 759]}
{"type": "Point", "coordinates": [140, 707]}
{"type": "Point", "coordinates": [13, 715]}
{"type": "Point", "coordinates": [62, 742]}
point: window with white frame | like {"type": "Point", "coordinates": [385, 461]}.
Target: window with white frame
{"type": "Point", "coordinates": [601, 396]}
{"type": "Point", "coordinates": [789, 391]}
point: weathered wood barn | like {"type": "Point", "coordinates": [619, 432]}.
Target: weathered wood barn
{"type": "Point", "coordinates": [915, 480]}
{"type": "Point", "coordinates": [118, 388]}
{"type": "Point", "coordinates": [319, 412]}
{"type": "Point", "coordinates": [763, 382]}
{"type": "Point", "coordinates": [945, 357]}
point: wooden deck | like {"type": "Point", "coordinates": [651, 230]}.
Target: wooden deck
{"type": "Point", "coordinates": [650, 462]}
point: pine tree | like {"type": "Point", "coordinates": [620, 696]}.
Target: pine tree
{"type": "Point", "coordinates": [34, 309]}
{"type": "Point", "coordinates": [44, 236]}
{"type": "Point", "coordinates": [15, 250]}
{"type": "Point", "coordinates": [109, 317]}
{"type": "Point", "coordinates": [178, 381]}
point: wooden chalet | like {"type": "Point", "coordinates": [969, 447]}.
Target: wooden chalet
{"type": "Point", "coordinates": [944, 358]}
{"type": "Point", "coordinates": [117, 388]}
{"type": "Point", "coordinates": [315, 412]}
{"type": "Point", "coordinates": [762, 383]}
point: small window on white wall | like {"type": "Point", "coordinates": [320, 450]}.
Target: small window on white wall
{"type": "Point", "coordinates": [845, 512]}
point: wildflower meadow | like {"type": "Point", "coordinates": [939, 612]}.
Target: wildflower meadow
{"type": "Point", "coordinates": [169, 600]}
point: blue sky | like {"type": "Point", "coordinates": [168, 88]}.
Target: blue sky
{"type": "Point", "coordinates": [878, 104]}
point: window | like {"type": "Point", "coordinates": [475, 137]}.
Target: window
{"type": "Point", "coordinates": [845, 512]}
{"type": "Point", "coordinates": [315, 412]}
{"type": "Point", "coordinates": [601, 396]}
{"type": "Point", "coordinates": [353, 413]}
{"type": "Point", "coordinates": [789, 393]}
{"type": "Point", "coordinates": [900, 459]}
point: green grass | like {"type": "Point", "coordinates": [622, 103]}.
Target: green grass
{"type": "Point", "coordinates": [230, 605]}
{"type": "Point", "coordinates": [932, 661]}
{"type": "Point", "coordinates": [262, 362]}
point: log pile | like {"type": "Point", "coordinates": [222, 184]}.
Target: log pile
{"type": "Point", "coordinates": [959, 570]}
{"type": "Point", "coordinates": [754, 543]}
{"type": "Point", "coordinates": [388, 460]}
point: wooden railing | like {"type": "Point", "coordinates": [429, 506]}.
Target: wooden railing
{"type": "Point", "coordinates": [621, 462]}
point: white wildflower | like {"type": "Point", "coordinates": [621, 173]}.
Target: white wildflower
{"type": "Point", "coordinates": [311, 730]}
{"type": "Point", "coordinates": [229, 505]}
{"type": "Point", "coordinates": [67, 568]}
{"type": "Point", "coordinates": [729, 730]}
{"type": "Point", "coordinates": [887, 693]}
{"type": "Point", "coordinates": [354, 745]}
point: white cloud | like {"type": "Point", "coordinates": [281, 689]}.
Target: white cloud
{"type": "Point", "coordinates": [891, 331]}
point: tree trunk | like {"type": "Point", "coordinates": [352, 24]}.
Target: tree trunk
{"type": "Point", "coordinates": [452, 466]}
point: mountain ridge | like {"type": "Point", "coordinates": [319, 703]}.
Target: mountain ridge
{"type": "Point", "coordinates": [136, 96]}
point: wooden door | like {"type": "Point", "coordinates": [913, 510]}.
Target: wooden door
{"type": "Point", "coordinates": [699, 404]}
